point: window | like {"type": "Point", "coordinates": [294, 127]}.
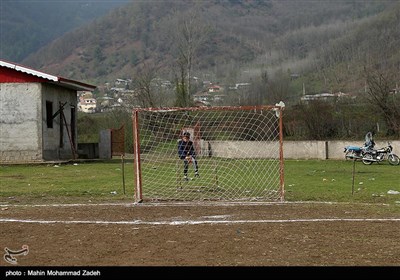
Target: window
{"type": "Point", "coordinates": [49, 114]}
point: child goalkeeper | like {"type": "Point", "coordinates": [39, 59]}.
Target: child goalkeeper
{"type": "Point", "coordinates": [187, 153]}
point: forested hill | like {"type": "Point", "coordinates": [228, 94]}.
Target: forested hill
{"type": "Point", "coordinates": [328, 43]}
{"type": "Point", "coordinates": [28, 25]}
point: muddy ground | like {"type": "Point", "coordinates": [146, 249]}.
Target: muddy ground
{"type": "Point", "coordinates": [203, 235]}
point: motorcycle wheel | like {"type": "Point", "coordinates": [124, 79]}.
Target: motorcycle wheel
{"type": "Point", "coordinates": [366, 160]}
{"type": "Point", "coordinates": [393, 159]}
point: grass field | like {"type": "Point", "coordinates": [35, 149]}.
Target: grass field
{"type": "Point", "coordinates": [77, 214]}
{"type": "Point", "coordinates": [305, 180]}
{"type": "Point", "coordinates": [332, 180]}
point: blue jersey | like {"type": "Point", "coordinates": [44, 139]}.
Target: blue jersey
{"type": "Point", "coordinates": [185, 149]}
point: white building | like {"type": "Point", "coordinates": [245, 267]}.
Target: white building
{"type": "Point", "coordinates": [87, 105]}
{"type": "Point", "coordinates": [38, 115]}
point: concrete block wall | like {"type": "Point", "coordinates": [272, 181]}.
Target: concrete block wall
{"type": "Point", "coordinates": [304, 149]}
{"type": "Point", "coordinates": [291, 149]}
{"type": "Point", "coordinates": [15, 156]}
{"type": "Point", "coordinates": [327, 149]}
{"type": "Point", "coordinates": [245, 149]}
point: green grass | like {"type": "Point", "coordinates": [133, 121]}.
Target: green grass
{"type": "Point", "coordinates": [226, 179]}
{"type": "Point", "coordinates": [305, 180]}
{"type": "Point", "coordinates": [332, 180]}
{"type": "Point", "coordinates": [67, 182]}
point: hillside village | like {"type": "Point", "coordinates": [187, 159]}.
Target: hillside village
{"type": "Point", "coordinates": [120, 94]}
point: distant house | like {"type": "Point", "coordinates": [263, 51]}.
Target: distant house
{"type": "Point", "coordinates": [203, 97]}
{"type": "Point", "coordinates": [38, 115]}
{"type": "Point", "coordinates": [121, 83]}
{"type": "Point", "coordinates": [320, 96]}
{"type": "Point", "coordinates": [87, 105]}
{"type": "Point", "coordinates": [219, 97]}
{"type": "Point", "coordinates": [239, 86]}
{"type": "Point", "coordinates": [214, 88]}
{"type": "Point", "coordinates": [323, 96]}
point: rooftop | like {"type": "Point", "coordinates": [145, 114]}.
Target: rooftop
{"type": "Point", "coordinates": [76, 85]}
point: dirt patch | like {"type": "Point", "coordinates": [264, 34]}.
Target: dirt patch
{"type": "Point", "coordinates": [213, 234]}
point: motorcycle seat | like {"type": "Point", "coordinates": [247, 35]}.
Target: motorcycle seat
{"type": "Point", "coordinates": [354, 148]}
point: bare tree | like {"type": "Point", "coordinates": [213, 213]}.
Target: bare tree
{"type": "Point", "coordinates": [143, 84]}
{"type": "Point", "coordinates": [190, 34]}
{"type": "Point", "coordinates": [379, 94]}
{"type": "Point", "coordinates": [182, 97]}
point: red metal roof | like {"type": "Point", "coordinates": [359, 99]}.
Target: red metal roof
{"type": "Point", "coordinates": [20, 73]}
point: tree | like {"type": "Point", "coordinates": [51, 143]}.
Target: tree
{"type": "Point", "coordinates": [182, 97]}
{"type": "Point", "coordinates": [190, 34]}
{"type": "Point", "coordinates": [143, 85]}
{"type": "Point", "coordinates": [319, 120]}
{"type": "Point", "coordinates": [278, 87]}
{"type": "Point", "coordinates": [380, 95]}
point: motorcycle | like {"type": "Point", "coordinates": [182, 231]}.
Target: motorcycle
{"type": "Point", "coordinates": [357, 152]}
{"type": "Point", "coordinates": [386, 153]}
{"type": "Point", "coordinates": [354, 152]}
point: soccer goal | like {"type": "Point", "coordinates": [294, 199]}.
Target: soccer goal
{"type": "Point", "coordinates": [237, 151]}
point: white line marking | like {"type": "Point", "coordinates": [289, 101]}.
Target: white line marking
{"type": "Point", "coordinates": [68, 205]}
{"type": "Point", "coordinates": [217, 217]}
{"type": "Point", "coordinates": [199, 222]}
{"type": "Point", "coordinates": [186, 204]}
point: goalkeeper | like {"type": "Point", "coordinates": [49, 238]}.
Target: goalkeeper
{"type": "Point", "coordinates": [187, 153]}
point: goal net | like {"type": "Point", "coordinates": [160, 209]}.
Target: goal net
{"type": "Point", "coordinates": [237, 152]}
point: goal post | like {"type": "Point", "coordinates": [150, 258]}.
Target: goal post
{"type": "Point", "coordinates": [238, 153]}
